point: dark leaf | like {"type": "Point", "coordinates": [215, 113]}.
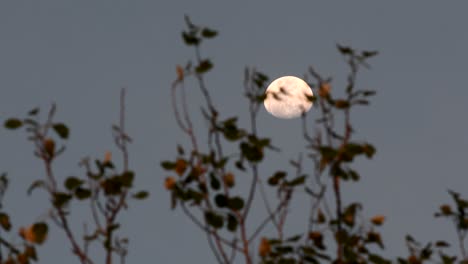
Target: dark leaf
{"type": "Point", "coordinates": [30, 252]}
{"type": "Point", "coordinates": [297, 181]}
{"type": "Point", "coordinates": [33, 111]}
{"type": "Point", "coordinates": [214, 219]}
{"type": "Point", "coordinates": [13, 123]}
{"type": "Point", "coordinates": [236, 203]}
{"type": "Point", "coordinates": [5, 221]}
{"type": "Point", "coordinates": [40, 232]}
{"type": "Point", "coordinates": [61, 199]}
{"type": "Point", "coordinates": [369, 150]}
{"type": "Point", "coordinates": [373, 258]}
{"type": "Point", "coordinates": [37, 184]}
{"type": "Point", "coordinates": [190, 38]}
{"type": "Point", "coordinates": [221, 200]}
{"type": "Point", "coordinates": [344, 49]}
{"type": "Point", "coordinates": [368, 54]}
{"type": "Point", "coordinates": [274, 180]}
{"type": "Point", "coordinates": [232, 223]}
{"type": "Point", "coordinates": [61, 130]}
{"type": "Point", "coordinates": [82, 193]}
{"type": "Point", "coordinates": [209, 33]}
{"type": "Point", "coordinates": [214, 182]}
{"type": "Point", "coordinates": [168, 165]}
{"type": "Point", "coordinates": [72, 182]}
{"type": "Point", "coordinates": [127, 178]}
{"type": "Point", "coordinates": [204, 66]}
{"type": "Point", "coordinates": [141, 195]}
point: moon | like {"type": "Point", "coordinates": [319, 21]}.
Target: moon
{"type": "Point", "coordinates": [286, 97]}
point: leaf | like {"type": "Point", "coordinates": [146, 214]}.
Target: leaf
{"type": "Point", "coordinates": [204, 66]}
{"type": "Point", "coordinates": [297, 181]}
{"type": "Point", "coordinates": [368, 54]}
{"type": "Point", "coordinates": [61, 199]}
{"type": "Point", "coordinates": [373, 258]}
{"type": "Point", "coordinates": [40, 232]}
{"type": "Point", "coordinates": [209, 33]}
{"type": "Point", "coordinates": [369, 150]}
{"type": "Point", "coordinates": [221, 200]}
{"type": "Point", "coordinates": [141, 195]}
{"type": "Point", "coordinates": [61, 130]}
{"type": "Point", "coordinates": [82, 193]}
{"type": "Point", "coordinates": [344, 49]}
{"type": "Point", "coordinates": [36, 184]}
{"type": "Point", "coordinates": [378, 220]}
{"type": "Point", "coordinates": [274, 180]}
{"type": "Point", "coordinates": [127, 178]}
{"type": "Point", "coordinates": [232, 223]}
{"type": "Point", "coordinates": [190, 39]}
{"type": "Point", "coordinates": [214, 219]}
{"type": "Point", "coordinates": [168, 165]}
{"type": "Point", "coordinates": [236, 203]}
{"type": "Point", "coordinates": [214, 182]}
{"type": "Point", "coordinates": [251, 152]}
{"type": "Point", "coordinates": [294, 238]}
{"type": "Point", "coordinates": [33, 111]}
{"type": "Point", "coordinates": [30, 252]}
{"type": "Point", "coordinates": [13, 123]}
{"type": "Point", "coordinates": [5, 221]}
{"type": "Point", "coordinates": [73, 182]}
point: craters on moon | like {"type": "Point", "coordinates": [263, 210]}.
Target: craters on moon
{"type": "Point", "coordinates": [286, 97]}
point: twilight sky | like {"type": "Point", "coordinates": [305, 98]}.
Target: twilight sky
{"type": "Point", "coordinates": [80, 53]}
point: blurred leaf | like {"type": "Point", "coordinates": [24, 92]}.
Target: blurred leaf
{"type": "Point", "coordinates": [378, 220]}
{"type": "Point", "coordinates": [442, 243]}
{"type": "Point", "coordinates": [368, 54]}
{"type": "Point", "coordinates": [214, 219]}
{"type": "Point", "coordinates": [274, 180]}
{"type": "Point", "coordinates": [37, 184]}
{"type": "Point", "coordinates": [297, 181]}
{"type": "Point", "coordinates": [236, 203]}
{"type": "Point", "coordinates": [167, 165]}
{"type": "Point", "coordinates": [369, 150]}
{"type": "Point", "coordinates": [221, 200]}
{"type": "Point", "coordinates": [127, 178]}
{"type": "Point", "coordinates": [73, 182]}
{"type": "Point", "coordinates": [232, 223]}
{"type": "Point", "coordinates": [82, 193]}
{"type": "Point", "coordinates": [344, 49]}
{"type": "Point", "coordinates": [214, 182]}
{"type": "Point", "coordinates": [5, 221]}
{"type": "Point", "coordinates": [294, 238]}
{"type": "Point", "coordinates": [33, 111]}
{"type": "Point", "coordinates": [141, 195]}
{"type": "Point", "coordinates": [209, 33]}
{"type": "Point", "coordinates": [61, 199]}
{"type": "Point", "coordinates": [373, 258]}
{"type": "Point", "coordinates": [204, 66]}
{"type": "Point", "coordinates": [13, 123]}
{"type": "Point", "coordinates": [374, 237]}
{"type": "Point", "coordinates": [40, 232]}
{"type": "Point", "coordinates": [342, 104]}
{"type": "Point", "coordinates": [30, 252]}
{"type": "Point", "coordinates": [113, 185]}
{"type": "Point", "coordinates": [251, 153]}
{"type": "Point", "coordinates": [190, 39]}
{"type": "Point", "coordinates": [317, 238]}
{"type": "Point", "coordinates": [61, 130]}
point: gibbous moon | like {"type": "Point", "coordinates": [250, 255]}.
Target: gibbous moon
{"type": "Point", "coordinates": [286, 97]}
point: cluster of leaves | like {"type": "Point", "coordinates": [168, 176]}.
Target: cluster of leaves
{"type": "Point", "coordinates": [104, 187]}
{"type": "Point", "coordinates": [203, 181]}
{"type": "Point", "coordinates": [31, 236]}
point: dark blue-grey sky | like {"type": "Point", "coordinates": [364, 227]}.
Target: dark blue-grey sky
{"type": "Point", "coordinates": [80, 53]}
